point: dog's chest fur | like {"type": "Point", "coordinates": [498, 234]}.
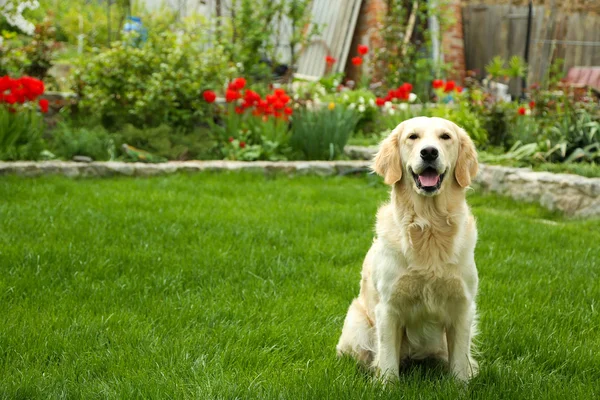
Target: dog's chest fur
{"type": "Point", "coordinates": [426, 281]}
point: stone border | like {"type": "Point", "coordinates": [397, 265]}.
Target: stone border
{"type": "Point", "coordinates": [573, 195]}
{"type": "Point", "coordinates": [115, 168]}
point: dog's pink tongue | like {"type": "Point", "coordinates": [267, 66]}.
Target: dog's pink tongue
{"type": "Point", "coordinates": [429, 178]}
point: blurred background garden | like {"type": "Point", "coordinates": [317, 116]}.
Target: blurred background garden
{"type": "Point", "coordinates": [248, 80]}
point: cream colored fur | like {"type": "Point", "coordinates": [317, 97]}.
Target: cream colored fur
{"type": "Point", "coordinates": [419, 280]}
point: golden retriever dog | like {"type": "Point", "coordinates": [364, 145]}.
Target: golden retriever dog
{"type": "Point", "coordinates": [419, 280]}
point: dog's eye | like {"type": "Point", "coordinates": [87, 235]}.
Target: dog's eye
{"type": "Point", "coordinates": [445, 136]}
{"type": "Point", "coordinates": [413, 136]}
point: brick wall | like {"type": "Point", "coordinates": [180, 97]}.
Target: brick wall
{"type": "Point", "coordinates": [368, 28]}
{"type": "Point", "coordinates": [453, 44]}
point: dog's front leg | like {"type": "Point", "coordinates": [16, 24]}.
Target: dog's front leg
{"type": "Point", "coordinates": [458, 336]}
{"type": "Point", "coordinates": [389, 340]}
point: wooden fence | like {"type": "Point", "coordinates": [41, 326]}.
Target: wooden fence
{"type": "Point", "coordinates": [491, 30]}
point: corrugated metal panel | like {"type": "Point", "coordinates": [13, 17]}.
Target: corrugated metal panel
{"type": "Point", "coordinates": [338, 21]}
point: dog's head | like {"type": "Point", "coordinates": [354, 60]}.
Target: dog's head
{"type": "Point", "coordinates": [428, 153]}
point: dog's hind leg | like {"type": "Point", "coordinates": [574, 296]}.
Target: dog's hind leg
{"type": "Point", "coordinates": [357, 337]}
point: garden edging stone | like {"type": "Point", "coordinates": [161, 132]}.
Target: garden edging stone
{"type": "Point", "coordinates": [573, 195]}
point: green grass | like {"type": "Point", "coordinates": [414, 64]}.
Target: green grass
{"type": "Point", "coordinates": [236, 286]}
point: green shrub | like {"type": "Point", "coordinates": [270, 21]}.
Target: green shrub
{"type": "Point", "coordinates": [158, 83]}
{"type": "Point", "coordinates": [322, 134]}
{"type": "Point", "coordinates": [168, 142]}
{"type": "Point", "coordinates": [68, 141]}
{"type": "Point", "coordinates": [20, 134]}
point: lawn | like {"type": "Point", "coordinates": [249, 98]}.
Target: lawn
{"type": "Point", "coordinates": [236, 285]}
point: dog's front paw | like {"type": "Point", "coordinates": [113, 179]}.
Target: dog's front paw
{"type": "Point", "coordinates": [465, 372]}
{"type": "Point", "coordinates": [386, 375]}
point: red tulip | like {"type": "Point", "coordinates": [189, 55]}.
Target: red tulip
{"type": "Point", "coordinates": [330, 60]}
{"type": "Point", "coordinates": [380, 102]}
{"type": "Point", "coordinates": [242, 144]}
{"type": "Point", "coordinates": [209, 96]}
{"type": "Point", "coordinates": [450, 85]}
{"type": "Point", "coordinates": [532, 104]}
{"type": "Point", "coordinates": [362, 49]}
{"type": "Point", "coordinates": [438, 83]}
{"type": "Point", "coordinates": [522, 111]}
{"type": "Point", "coordinates": [232, 95]}
{"type": "Point", "coordinates": [44, 105]}
{"type": "Point", "coordinates": [357, 61]}
{"type": "Point", "coordinates": [238, 83]}
{"type": "Point", "coordinates": [288, 111]}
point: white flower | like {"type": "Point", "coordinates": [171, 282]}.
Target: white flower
{"type": "Point", "coordinates": [361, 100]}
{"type": "Point", "coordinates": [336, 83]}
{"type": "Point", "coordinates": [240, 66]}
{"type": "Point", "coordinates": [296, 97]}
{"type": "Point", "coordinates": [361, 108]}
{"type": "Point", "coordinates": [14, 15]}
{"type": "Point", "coordinates": [352, 106]}
{"type": "Point", "coordinates": [412, 97]}
{"type": "Point", "coordinates": [403, 106]}
{"type": "Point", "coordinates": [321, 90]}
{"type": "Point", "coordinates": [528, 112]}
{"type": "Point", "coordinates": [345, 97]}
{"type": "Point", "coordinates": [387, 105]}
{"type": "Point", "coordinates": [391, 111]}
{"type": "Point", "coordinates": [372, 102]}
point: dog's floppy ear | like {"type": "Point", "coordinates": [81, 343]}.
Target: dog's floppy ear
{"type": "Point", "coordinates": [466, 164]}
{"type": "Point", "coordinates": [387, 161]}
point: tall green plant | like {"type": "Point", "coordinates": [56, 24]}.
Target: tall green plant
{"type": "Point", "coordinates": [20, 134]}
{"type": "Point", "coordinates": [322, 134]}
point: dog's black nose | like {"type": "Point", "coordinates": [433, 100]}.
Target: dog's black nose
{"type": "Point", "coordinates": [429, 153]}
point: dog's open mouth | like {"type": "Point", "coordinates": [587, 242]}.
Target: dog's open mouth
{"type": "Point", "coordinates": [429, 180]}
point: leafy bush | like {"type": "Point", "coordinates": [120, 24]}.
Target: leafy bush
{"type": "Point", "coordinates": [29, 56]}
{"type": "Point", "coordinates": [68, 141]}
{"type": "Point", "coordinates": [323, 133]}
{"type": "Point", "coordinates": [158, 83]}
{"type": "Point", "coordinates": [20, 135]}
{"type": "Point", "coordinates": [167, 142]}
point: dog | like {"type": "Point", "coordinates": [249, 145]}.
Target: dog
{"type": "Point", "coordinates": [419, 279]}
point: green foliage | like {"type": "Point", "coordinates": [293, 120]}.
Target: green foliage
{"type": "Point", "coordinates": [246, 137]}
{"type": "Point", "coordinates": [361, 100]}
{"type": "Point", "coordinates": [168, 142]}
{"type": "Point", "coordinates": [322, 134]}
{"type": "Point", "coordinates": [68, 140]}
{"type": "Point", "coordinates": [517, 68]}
{"type": "Point", "coordinates": [29, 56]}
{"type": "Point", "coordinates": [247, 33]}
{"type": "Point", "coordinates": [158, 83]}
{"type": "Point", "coordinates": [20, 134]}
{"type": "Point", "coordinates": [409, 61]}
{"type": "Point", "coordinates": [83, 17]}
